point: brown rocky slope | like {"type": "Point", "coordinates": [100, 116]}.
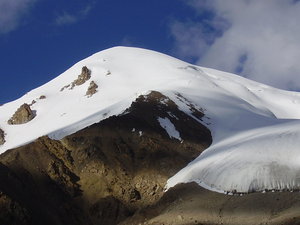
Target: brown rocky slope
{"type": "Point", "coordinates": [190, 204]}
{"type": "Point", "coordinates": [102, 174]}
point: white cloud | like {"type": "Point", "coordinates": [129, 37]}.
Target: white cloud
{"type": "Point", "coordinates": [87, 9]}
{"type": "Point", "coordinates": [67, 18]}
{"type": "Point", "coordinates": [127, 41]}
{"type": "Point", "coordinates": [259, 39]}
{"type": "Point", "coordinates": [11, 13]}
{"type": "Point", "coordinates": [191, 39]}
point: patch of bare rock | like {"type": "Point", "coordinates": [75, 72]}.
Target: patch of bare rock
{"type": "Point", "coordinates": [2, 137]}
{"type": "Point", "coordinates": [92, 89]}
{"type": "Point", "coordinates": [34, 101]}
{"type": "Point", "coordinates": [23, 115]}
{"type": "Point", "coordinates": [81, 79]}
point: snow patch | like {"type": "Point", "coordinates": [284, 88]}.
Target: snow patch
{"type": "Point", "coordinates": [172, 115]}
{"type": "Point", "coordinates": [140, 133]}
{"type": "Point", "coordinates": [169, 128]}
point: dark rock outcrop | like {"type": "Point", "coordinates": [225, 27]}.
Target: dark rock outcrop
{"type": "Point", "coordinates": [2, 137]}
{"type": "Point", "coordinates": [92, 89]}
{"type": "Point", "coordinates": [32, 102]}
{"type": "Point", "coordinates": [83, 77]}
{"type": "Point", "coordinates": [12, 212]}
{"type": "Point", "coordinates": [23, 115]}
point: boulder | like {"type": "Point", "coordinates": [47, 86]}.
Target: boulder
{"type": "Point", "coordinates": [23, 115]}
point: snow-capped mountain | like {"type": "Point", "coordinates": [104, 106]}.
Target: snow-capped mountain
{"type": "Point", "coordinates": [255, 128]}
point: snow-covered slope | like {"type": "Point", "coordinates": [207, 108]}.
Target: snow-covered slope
{"type": "Point", "coordinates": [255, 128]}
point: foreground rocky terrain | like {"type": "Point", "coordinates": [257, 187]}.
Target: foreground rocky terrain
{"type": "Point", "coordinates": [191, 204]}
{"type": "Point", "coordinates": [102, 174]}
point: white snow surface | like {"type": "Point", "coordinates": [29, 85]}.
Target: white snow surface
{"type": "Point", "coordinates": [255, 128]}
{"type": "Point", "coordinates": [169, 128]}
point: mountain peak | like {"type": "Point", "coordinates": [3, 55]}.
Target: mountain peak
{"type": "Point", "coordinates": [251, 123]}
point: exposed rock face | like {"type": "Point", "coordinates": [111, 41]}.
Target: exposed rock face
{"type": "Point", "coordinates": [23, 115]}
{"type": "Point", "coordinates": [2, 137]}
{"type": "Point", "coordinates": [103, 173]}
{"type": "Point", "coordinates": [92, 89]}
{"type": "Point", "coordinates": [83, 77]}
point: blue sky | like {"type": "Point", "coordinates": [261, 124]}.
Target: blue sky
{"type": "Point", "coordinates": [39, 39]}
{"type": "Point", "coordinates": [51, 36]}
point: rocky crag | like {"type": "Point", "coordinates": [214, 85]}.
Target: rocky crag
{"type": "Point", "coordinates": [84, 76]}
{"type": "Point", "coordinates": [23, 114]}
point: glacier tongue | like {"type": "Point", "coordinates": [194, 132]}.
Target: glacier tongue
{"type": "Point", "coordinates": [255, 128]}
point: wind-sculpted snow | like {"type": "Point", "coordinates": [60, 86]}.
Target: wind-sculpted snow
{"type": "Point", "coordinates": [254, 160]}
{"type": "Point", "coordinates": [255, 128]}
